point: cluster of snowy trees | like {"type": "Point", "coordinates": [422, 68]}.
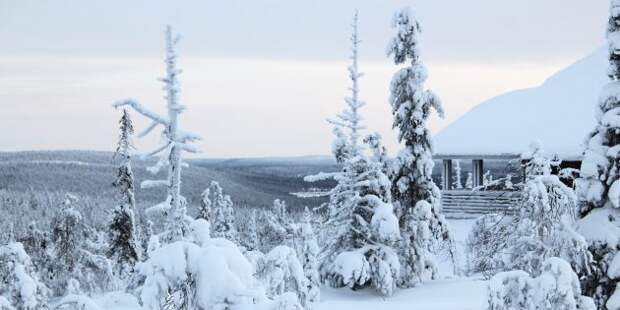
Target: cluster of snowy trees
{"type": "Point", "coordinates": [383, 225]}
{"type": "Point", "coordinates": [563, 245]}
{"type": "Point", "coordinates": [167, 260]}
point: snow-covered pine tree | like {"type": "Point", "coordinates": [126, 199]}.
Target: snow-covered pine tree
{"type": "Point", "coordinates": [176, 141]}
{"type": "Point", "coordinates": [222, 213]}
{"type": "Point", "coordinates": [308, 255]}
{"type": "Point", "coordinates": [557, 287]}
{"type": "Point", "coordinates": [544, 225]}
{"type": "Point", "coordinates": [277, 226]}
{"type": "Point", "coordinates": [73, 264]}
{"type": "Point", "coordinates": [487, 178]}
{"type": "Point", "coordinates": [347, 124]}
{"type": "Point", "coordinates": [412, 169]}
{"type": "Point", "coordinates": [67, 231]}
{"type": "Point", "coordinates": [204, 210]}
{"type": "Point", "coordinates": [469, 182]}
{"type": "Point", "coordinates": [282, 272]}
{"type": "Point", "coordinates": [21, 286]}
{"type": "Point", "coordinates": [598, 188]}
{"type": "Point", "coordinates": [124, 248]}
{"type": "Point", "coordinates": [458, 184]}
{"type": "Point", "coordinates": [250, 237]}
{"type": "Point", "coordinates": [38, 245]}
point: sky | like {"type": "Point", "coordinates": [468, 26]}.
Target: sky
{"type": "Point", "coordinates": [260, 77]}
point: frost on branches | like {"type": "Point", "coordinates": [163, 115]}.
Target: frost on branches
{"type": "Point", "coordinates": [176, 141]}
{"type": "Point", "coordinates": [599, 186]}
{"type": "Point", "coordinates": [557, 287]}
{"type": "Point", "coordinates": [21, 288]}
{"type": "Point", "coordinates": [123, 247]}
{"type": "Point", "coordinates": [411, 170]}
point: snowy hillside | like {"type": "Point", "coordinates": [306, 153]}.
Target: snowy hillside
{"type": "Point", "coordinates": [559, 113]}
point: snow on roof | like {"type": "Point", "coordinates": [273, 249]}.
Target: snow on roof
{"type": "Point", "coordinates": [559, 114]}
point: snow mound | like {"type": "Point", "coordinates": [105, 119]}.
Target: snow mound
{"type": "Point", "coordinates": [559, 113]}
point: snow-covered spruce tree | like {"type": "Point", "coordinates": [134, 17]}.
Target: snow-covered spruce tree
{"type": "Point", "coordinates": [176, 141]}
{"type": "Point", "coordinates": [544, 226]}
{"type": "Point", "coordinates": [67, 232]}
{"type": "Point", "coordinates": [308, 255]}
{"type": "Point", "coordinates": [250, 236]}
{"type": "Point", "coordinates": [469, 182]}
{"type": "Point", "coordinates": [277, 226]}
{"type": "Point", "coordinates": [73, 264]}
{"type": "Point", "coordinates": [458, 184]}
{"type": "Point", "coordinates": [222, 216]}
{"type": "Point", "coordinates": [123, 246]}
{"type": "Point", "coordinates": [364, 227]}
{"type": "Point", "coordinates": [557, 287]}
{"type": "Point", "coordinates": [204, 210]}
{"type": "Point", "coordinates": [282, 272]}
{"type": "Point", "coordinates": [347, 124]}
{"type": "Point", "coordinates": [19, 282]}
{"type": "Point", "coordinates": [38, 245]}
{"type": "Point", "coordinates": [412, 168]}
{"type": "Point", "coordinates": [598, 188]}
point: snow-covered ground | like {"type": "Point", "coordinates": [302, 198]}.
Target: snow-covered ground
{"type": "Point", "coordinates": [451, 293]}
{"type": "Point", "coordinates": [446, 294]}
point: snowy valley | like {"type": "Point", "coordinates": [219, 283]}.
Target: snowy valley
{"type": "Point", "coordinates": [514, 206]}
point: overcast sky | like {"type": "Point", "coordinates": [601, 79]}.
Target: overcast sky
{"type": "Point", "coordinates": [261, 76]}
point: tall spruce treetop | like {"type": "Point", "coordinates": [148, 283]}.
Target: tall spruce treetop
{"type": "Point", "coordinates": [599, 187]}
{"type": "Point", "coordinates": [176, 141]}
{"type": "Point", "coordinates": [347, 124]}
{"type": "Point", "coordinates": [412, 169]}
{"type": "Point", "coordinates": [124, 178]}
{"type": "Point", "coordinates": [123, 244]}
{"type": "Point", "coordinates": [411, 107]}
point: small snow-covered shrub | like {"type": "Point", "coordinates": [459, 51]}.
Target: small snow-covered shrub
{"type": "Point", "coordinates": [485, 243]}
{"type": "Point", "coordinates": [384, 269]}
{"type": "Point", "coordinates": [211, 275]}
{"type": "Point", "coordinates": [556, 288]}
{"type": "Point", "coordinates": [20, 286]}
{"type": "Point", "coordinates": [377, 266]}
{"type": "Point", "coordinates": [308, 253]}
{"type": "Point", "coordinates": [282, 272]}
{"type": "Point", "coordinates": [218, 273]}
{"type": "Point", "coordinates": [350, 269]}
{"type": "Point", "coordinates": [511, 290]}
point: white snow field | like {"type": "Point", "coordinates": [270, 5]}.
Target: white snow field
{"type": "Point", "coordinates": [559, 114]}
{"type": "Point", "coordinates": [449, 294]}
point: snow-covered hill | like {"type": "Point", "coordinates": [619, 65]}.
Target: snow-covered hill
{"type": "Point", "coordinates": [559, 113]}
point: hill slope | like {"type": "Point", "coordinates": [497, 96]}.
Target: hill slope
{"type": "Point", "coordinates": [559, 113]}
{"type": "Point", "coordinates": [250, 182]}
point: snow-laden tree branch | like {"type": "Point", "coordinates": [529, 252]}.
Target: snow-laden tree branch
{"type": "Point", "coordinates": [176, 140]}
